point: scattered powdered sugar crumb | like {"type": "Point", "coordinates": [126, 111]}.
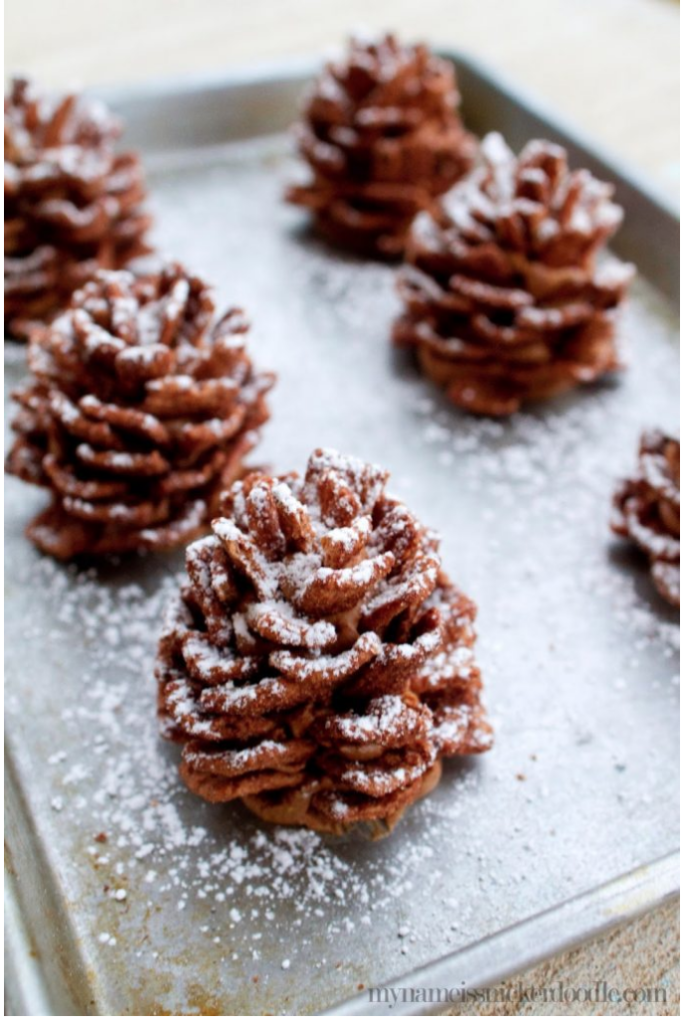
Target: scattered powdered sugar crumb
{"type": "Point", "coordinates": [122, 789]}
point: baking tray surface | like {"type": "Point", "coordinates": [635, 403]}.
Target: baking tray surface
{"type": "Point", "coordinates": [160, 904]}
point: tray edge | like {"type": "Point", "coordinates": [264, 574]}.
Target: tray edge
{"type": "Point", "coordinates": [562, 928]}
{"type": "Point", "coordinates": [613, 903]}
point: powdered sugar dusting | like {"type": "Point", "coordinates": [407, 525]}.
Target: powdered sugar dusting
{"type": "Point", "coordinates": [577, 653]}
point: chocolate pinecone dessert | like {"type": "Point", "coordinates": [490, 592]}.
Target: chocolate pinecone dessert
{"type": "Point", "coordinates": [73, 204]}
{"type": "Point", "coordinates": [318, 662]}
{"type": "Point", "coordinates": [504, 299]}
{"type": "Point", "coordinates": [141, 408]}
{"type": "Point", "coordinates": [646, 510]}
{"type": "Point", "coordinates": [383, 137]}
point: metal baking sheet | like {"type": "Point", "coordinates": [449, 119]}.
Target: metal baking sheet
{"type": "Point", "coordinates": [128, 896]}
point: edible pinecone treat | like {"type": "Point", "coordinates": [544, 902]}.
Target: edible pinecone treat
{"type": "Point", "coordinates": [318, 662]}
{"type": "Point", "coordinates": [73, 204]}
{"type": "Point", "coordinates": [504, 299]}
{"type": "Point", "coordinates": [383, 137]}
{"type": "Point", "coordinates": [646, 510]}
{"type": "Point", "coordinates": [141, 408]}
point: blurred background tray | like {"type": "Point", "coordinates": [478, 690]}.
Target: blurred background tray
{"type": "Point", "coordinates": [130, 897]}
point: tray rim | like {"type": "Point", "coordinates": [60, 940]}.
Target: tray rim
{"type": "Point", "coordinates": [567, 924]}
